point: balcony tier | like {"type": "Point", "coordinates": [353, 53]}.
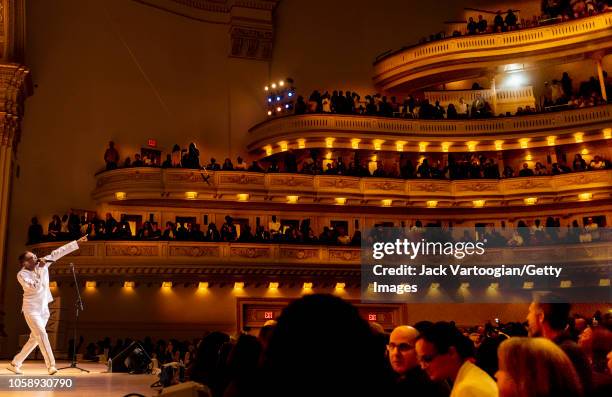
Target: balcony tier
{"type": "Point", "coordinates": [468, 57]}
{"type": "Point", "coordinates": [314, 129]}
{"type": "Point", "coordinates": [165, 186]}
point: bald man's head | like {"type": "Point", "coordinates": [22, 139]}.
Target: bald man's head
{"type": "Point", "coordinates": [402, 355]}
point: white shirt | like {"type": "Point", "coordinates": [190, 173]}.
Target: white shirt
{"type": "Point", "coordinates": [35, 283]}
{"type": "Point", "coordinates": [472, 381]}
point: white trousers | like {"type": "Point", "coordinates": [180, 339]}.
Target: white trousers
{"type": "Point", "coordinates": [38, 337]}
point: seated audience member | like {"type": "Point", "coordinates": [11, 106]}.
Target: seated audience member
{"type": "Point", "coordinates": [482, 24]}
{"type": "Point", "coordinates": [110, 225]}
{"type": "Point", "coordinates": [228, 229]}
{"type": "Point", "coordinates": [123, 228]}
{"type": "Point", "coordinates": [462, 109]}
{"type": "Point", "coordinates": [35, 232]}
{"type": "Point", "coordinates": [472, 27]}
{"type": "Point", "coordinates": [300, 106]}
{"type": "Point", "coordinates": [535, 367]}
{"type": "Point", "coordinates": [409, 377]}
{"type": "Point", "coordinates": [579, 163]}
{"type": "Point", "coordinates": [273, 168]}
{"type": "Point", "coordinates": [321, 346]}
{"type": "Point", "coordinates": [169, 232]}
{"type": "Point", "coordinates": [168, 162]}
{"type": "Point", "coordinates": [548, 317]}
{"type": "Point", "coordinates": [274, 227]}
{"type": "Point", "coordinates": [137, 161]}
{"type": "Point", "coordinates": [526, 171]}
{"type": "Point", "coordinates": [540, 169]}
{"type": "Point", "coordinates": [241, 165]}
{"type": "Point", "coordinates": [255, 167]}
{"type": "Point", "coordinates": [213, 165]}
{"type": "Point", "coordinates": [227, 165]}
{"type": "Point", "coordinates": [212, 233]}
{"type": "Point", "coordinates": [176, 156]}
{"type": "Point", "coordinates": [451, 112]}
{"type": "Point", "coordinates": [597, 163]}
{"type": "Point", "coordinates": [446, 355]}
{"type": "Point", "coordinates": [127, 163]}
{"type": "Point", "coordinates": [111, 156]}
{"type": "Point", "coordinates": [55, 227]}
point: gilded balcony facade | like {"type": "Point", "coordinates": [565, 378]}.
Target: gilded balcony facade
{"type": "Point", "coordinates": [194, 188]}
{"type": "Point", "coordinates": [468, 57]}
{"type": "Point", "coordinates": [381, 133]}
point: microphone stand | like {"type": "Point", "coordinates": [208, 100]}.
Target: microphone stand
{"type": "Point", "coordinates": [78, 308]}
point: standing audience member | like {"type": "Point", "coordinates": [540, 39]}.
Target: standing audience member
{"type": "Point", "coordinates": [111, 156]}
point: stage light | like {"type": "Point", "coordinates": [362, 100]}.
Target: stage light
{"type": "Point", "coordinates": [578, 137]}
{"type": "Point", "coordinates": [329, 142]}
{"type": "Point", "coordinates": [386, 202]}
{"type": "Point", "coordinates": [52, 284]}
{"type": "Point", "coordinates": [432, 204]}
{"type": "Point", "coordinates": [281, 83]}
{"type": "Point", "coordinates": [120, 195]}
{"type": "Point", "coordinates": [307, 286]}
{"type": "Point", "coordinates": [278, 98]}
{"type": "Point", "coordinates": [269, 113]}
{"type": "Point", "coordinates": [279, 109]}
{"type": "Point", "coordinates": [524, 142]}
{"type": "Point", "coordinates": [340, 286]}
{"type": "Point", "coordinates": [242, 197]}
{"type": "Point", "coordinates": [292, 199]}
{"type": "Point", "coordinates": [284, 146]}
{"type": "Point", "coordinates": [478, 203]}
{"type": "Point", "coordinates": [422, 146]}
{"type": "Point", "coordinates": [551, 140]}
{"type": "Point", "coordinates": [530, 200]}
{"type": "Point", "coordinates": [191, 195]}
{"type": "Point", "coordinates": [287, 106]}
{"type": "Point", "coordinates": [585, 196]}
{"type": "Point", "coordinates": [565, 284]}
{"type": "Point", "coordinates": [90, 284]}
{"type": "Point", "coordinates": [290, 94]}
{"type": "Point", "coordinates": [528, 285]}
{"type": "Point", "coordinates": [499, 145]}
{"type": "Point", "coordinates": [301, 143]}
{"type": "Point", "coordinates": [399, 146]}
{"type": "Point", "coordinates": [445, 146]}
{"type": "Point", "coordinates": [129, 284]}
{"type": "Point", "coordinates": [239, 285]}
{"type": "Point", "coordinates": [607, 133]}
{"type": "Point", "coordinates": [355, 143]}
{"type": "Point", "coordinates": [604, 282]}
{"type": "Point", "coordinates": [203, 285]}
{"type": "Point", "coordinates": [269, 99]}
{"type": "Point", "coordinates": [273, 85]}
{"type": "Point", "coordinates": [472, 146]}
{"type": "Point", "coordinates": [273, 285]}
{"type": "Point", "coordinates": [266, 88]}
{"type": "Point", "coordinates": [167, 284]}
{"type": "Point", "coordinates": [378, 143]}
{"type": "Point", "coordinates": [340, 200]}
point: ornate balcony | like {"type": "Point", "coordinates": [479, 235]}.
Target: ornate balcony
{"type": "Point", "coordinates": [315, 130]}
{"type": "Point", "coordinates": [185, 187]}
{"type": "Point", "coordinates": [466, 57]}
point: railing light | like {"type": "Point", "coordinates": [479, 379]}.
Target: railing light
{"type": "Point", "coordinates": [499, 145]}
{"type": "Point", "coordinates": [386, 202]}
{"type": "Point", "coordinates": [167, 284]}
{"type": "Point", "coordinates": [578, 137]}
{"type": "Point", "coordinates": [129, 284]}
{"type": "Point", "coordinates": [565, 284]}
{"type": "Point", "coordinates": [399, 146]}
{"type": "Point", "coordinates": [329, 142]}
{"type": "Point", "coordinates": [340, 286]}
{"type": "Point", "coordinates": [528, 285]}
{"type": "Point", "coordinates": [268, 149]}
{"type": "Point", "coordinates": [242, 197]}
{"type": "Point", "coordinates": [530, 200]}
{"type": "Point", "coordinates": [340, 200]}
{"type": "Point", "coordinates": [273, 285]}
{"type": "Point", "coordinates": [378, 144]}
{"type": "Point", "coordinates": [472, 146]}
{"type": "Point", "coordinates": [191, 195]}
{"type": "Point", "coordinates": [355, 143]}
{"type": "Point", "coordinates": [423, 146]}
{"type": "Point", "coordinates": [432, 204]}
{"type": "Point", "coordinates": [301, 143]}
{"type": "Point", "coordinates": [284, 146]}
{"type": "Point", "coordinates": [239, 285]}
{"type": "Point", "coordinates": [120, 195]}
{"type": "Point", "coordinates": [292, 199]}
{"type": "Point", "coordinates": [524, 142]}
{"type": "Point", "coordinates": [445, 146]}
{"type": "Point", "coordinates": [478, 203]}
{"type": "Point", "coordinates": [585, 196]}
{"type": "Point", "coordinates": [203, 285]}
{"type": "Point", "coordinates": [551, 140]}
{"type": "Point", "coordinates": [90, 284]}
{"type": "Point", "coordinates": [607, 133]}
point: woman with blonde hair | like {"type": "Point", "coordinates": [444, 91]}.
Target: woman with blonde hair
{"type": "Point", "coordinates": [535, 367]}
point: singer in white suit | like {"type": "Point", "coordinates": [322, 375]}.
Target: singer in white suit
{"type": "Point", "coordinates": [34, 279]}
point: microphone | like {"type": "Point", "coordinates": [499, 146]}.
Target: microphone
{"type": "Point", "coordinates": [46, 260]}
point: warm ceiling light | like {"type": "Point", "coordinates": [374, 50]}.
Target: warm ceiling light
{"type": "Point", "coordinates": [528, 285]}
{"type": "Point", "coordinates": [432, 204]}
{"type": "Point", "coordinates": [281, 83]}
{"type": "Point", "coordinates": [378, 143]}
{"type": "Point", "coordinates": [191, 195]}
{"type": "Point", "coordinates": [529, 157]}
{"type": "Point", "coordinates": [273, 285]}
{"type": "Point", "coordinates": [90, 284]}
{"type": "Point", "coordinates": [340, 286]}
{"type": "Point", "coordinates": [386, 202]}
{"type": "Point", "coordinates": [604, 282]}
{"type": "Point", "coordinates": [284, 146]}
{"type": "Point", "coordinates": [584, 151]}
{"type": "Point", "coordinates": [478, 203]}
{"type": "Point", "coordinates": [585, 196]}
{"type": "Point", "coordinates": [129, 284]}
{"type": "Point", "coordinates": [607, 133]}
{"type": "Point", "coordinates": [120, 195]}
{"type": "Point", "coordinates": [266, 88]}
{"type": "Point", "coordinates": [464, 285]}
{"type": "Point", "coordinates": [472, 146]}
{"type": "Point", "coordinates": [329, 142]}
{"type": "Point", "coordinates": [445, 146]}
{"type": "Point", "coordinates": [340, 200]}
{"type": "Point", "coordinates": [273, 85]}
{"type": "Point", "coordinates": [269, 113]}
{"type": "Point", "coordinates": [423, 146]}
{"type": "Point", "coordinates": [239, 285]}
{"type": "Point", "coordinates": [530, 200]}
{"type": "Point", "coordinates": [301, 143]}
{"type": "Point", "coordinates": [524, 142]}
{"type": "Point", "coordinates": [551, 140]}
{"type": "Point", "coordinates": [355, 143]}
{"type": "Point", "coordinates": [307, 286]}
{"type": "Point", "coordinates": [52, 284]}
{"type": "Point", "coordinates": [399, 146]}
{"type": "Point", "coordinates": [578, 137]}
{"type": "Point", "coordinates": [278, 108]}
{"type": "Point", "coordinates": [565, 284]}
{"type": "Point", "coordinates": [242, 197]}
{"type": "Point", "coordinates": [292, 199]}
{"type": "Point", "coordinates": [268, 149]}
{"type": "Point", "coordinates": [203, 285]}
{"type": "Point", "coordinates": [499, 145]}
{"type": "Point", "coordinates": [167, 284]}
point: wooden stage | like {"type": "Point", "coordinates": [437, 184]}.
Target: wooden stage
{"type": "Point", "coordinates": [96, 383]}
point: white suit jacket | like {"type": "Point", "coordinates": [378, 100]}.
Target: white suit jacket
{"type": "Point", "coordinates": [35, 283]}
{"type": "Point", "coordinates": [472, 381]}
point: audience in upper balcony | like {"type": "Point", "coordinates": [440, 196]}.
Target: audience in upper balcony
{"type": "Point", "coordinates": [111, 156]}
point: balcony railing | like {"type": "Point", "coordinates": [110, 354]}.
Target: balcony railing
{"type": "Point", "coordinates": [315, 128]}
{"type": "Point", "coordinates": [567, 38]}
{"type": "Point", "coordinates": [157, 185]}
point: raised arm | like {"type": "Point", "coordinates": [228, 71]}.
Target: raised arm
{"type": "Point", "coordinates": [62, 251]}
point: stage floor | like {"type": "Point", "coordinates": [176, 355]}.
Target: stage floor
{"type": "Point", "coordinates": [96, 383]}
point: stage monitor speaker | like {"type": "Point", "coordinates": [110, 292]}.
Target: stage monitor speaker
{"type": "Point", "coordinates": [133, 359]}
{"type": "Point", "coordinates": [187, 389]}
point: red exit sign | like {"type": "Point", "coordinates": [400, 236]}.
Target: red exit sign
{"type": "Point", "coordinates": [268, 315]}
{"type": "Point", "coordinates": [152, 142]}
{"type": "Point", "coordinates": [372, 316]}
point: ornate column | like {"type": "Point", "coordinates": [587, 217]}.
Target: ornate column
{"type": "Point", "coordinates": [597, 57]}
